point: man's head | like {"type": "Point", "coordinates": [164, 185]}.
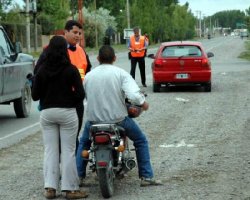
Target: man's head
{"type": "Point", "coordinates": [72, 32]}
{"type": "Point", "coordinates": [136, 31]}
{"type": "Point", "coordinates": [106, 55]}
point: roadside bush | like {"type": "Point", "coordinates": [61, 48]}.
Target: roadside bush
{"type": "Point", "coordinates": [246, 54]}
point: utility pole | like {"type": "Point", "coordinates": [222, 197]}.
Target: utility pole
{"type": "Point", "coordinates": [199, 18]}
{"type": "Point", "coordinates": [210, 28]}
{"type": "Point", "coordinates": [96, 33]}
{"type": "Point", "coordinates": [27, 26]}
{"type": "Point", "coordinates": [204, 24]}
{"type": "Point", "coordinates": [128, 14]}
{"type": "Point", "coordinates": [34, 11]}
{"type": "Point", "coordinates": [81, 21]}
{"type": "Point", "coordinates": [199, 21]}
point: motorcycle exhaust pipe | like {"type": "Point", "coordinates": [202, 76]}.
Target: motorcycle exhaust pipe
{"type": "Point", "coordinates": [130, 164]}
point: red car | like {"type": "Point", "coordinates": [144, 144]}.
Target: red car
{"type": "Point", "coordinates": [181, 63]}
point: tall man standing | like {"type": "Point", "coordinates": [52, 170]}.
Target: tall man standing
{"type": "Point", "coordinates": [137, 46]}
{"type": "Point", "coordinates": [79, 58]}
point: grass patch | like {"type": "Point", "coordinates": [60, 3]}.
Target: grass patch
{"type": "Point", "coordinates": [246, 54]}
{"type": "Point", "coordinates": [35, 54]}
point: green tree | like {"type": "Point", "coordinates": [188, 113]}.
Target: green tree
{"type": "Point", "coordinates": [229, 18]}
{"type": "Point", "coordinates": [13, 15]}
{"type": "Point", "coordinates": [183, 23]}
{"type": "Point", "coordinates": [248, 11]}
{"type": "Point", "coordinates": [52, 14]}
{"type": "Point", "coordinates": [164, 20]}
{"type": "Point", "coordinates": [4, 5]}
{"type": "Point", "coordinates": [116, 9]}
{"type": "Point", "coordinates": [100, 20]}
{"type": "Point", "coordinates": [248, 18]}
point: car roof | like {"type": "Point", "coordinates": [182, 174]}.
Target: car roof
{"type": "Point", "coordinates": [173, 43]}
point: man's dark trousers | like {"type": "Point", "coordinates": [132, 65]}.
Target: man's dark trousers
{"type": "Point", "coordinates": [141, 62]}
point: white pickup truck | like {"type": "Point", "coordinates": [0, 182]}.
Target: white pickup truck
{"type": "Point", "coordinates": [15, 68]}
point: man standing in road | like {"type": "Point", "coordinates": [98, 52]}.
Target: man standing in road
{"type": "Point", "coordinates": [137, 46]}
{"type": "Point", "coordinates": [79, 58]}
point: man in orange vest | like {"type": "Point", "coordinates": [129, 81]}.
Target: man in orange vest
{"type": "Point", "coordinates": [137, 46]}
{"type": "Point", "coordinates": [78, 57]}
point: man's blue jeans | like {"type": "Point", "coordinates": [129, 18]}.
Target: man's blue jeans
{"type": "Point", "coordinates": [134, 133]}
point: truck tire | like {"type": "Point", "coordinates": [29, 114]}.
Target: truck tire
{"type": "Point", "coordinates": [22, 105]}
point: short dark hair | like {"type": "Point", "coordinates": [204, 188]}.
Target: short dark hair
{"type": "Point", "coordinates": [136, 29]}
{"type": "Point", "coordinates": [106, 54]}
{"type": "Point", "coordinates": [69, 25]}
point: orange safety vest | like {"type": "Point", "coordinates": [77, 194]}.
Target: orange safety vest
{"type": "Point", "coordinates": [78, 58]}
{"type": "Point", "coordinates": [137, 45]}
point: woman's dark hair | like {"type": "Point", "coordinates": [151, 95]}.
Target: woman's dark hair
{"type": "Point", "coordinates": [57, 52]}
{"type": "Point", "coordinates": [106, 54]}
{"type": "Point", "coordinates": [69, 25]}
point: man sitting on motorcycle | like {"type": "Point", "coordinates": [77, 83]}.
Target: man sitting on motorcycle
{"type": "Point", "coordinates": [106, 88]}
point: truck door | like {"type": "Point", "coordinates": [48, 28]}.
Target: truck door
{"type": "Point", "coordinates": [1, 75]}
{"type": "Point", "coordinates": [10, 71]}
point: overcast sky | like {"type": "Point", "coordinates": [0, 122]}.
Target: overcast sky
{"type": "Point", "coordinates": [20, 2]}
{"type": "Point", "coordinates": [210, 7]}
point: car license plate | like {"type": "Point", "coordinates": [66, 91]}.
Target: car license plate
{"type": "Point", "coordinates": [181, 76]}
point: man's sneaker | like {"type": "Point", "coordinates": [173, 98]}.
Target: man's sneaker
{"type": "Point", "coordinates": [76, 194]}
{"type": "Point", "coordinates": [50, 193]}
{"type": "Point", "coordinates": [150, 182]}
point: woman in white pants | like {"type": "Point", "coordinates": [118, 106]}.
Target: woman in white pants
{"type": "Point", "coordinates": [59, 124]}
{"type": "Point", "coordinates": [58, 87]}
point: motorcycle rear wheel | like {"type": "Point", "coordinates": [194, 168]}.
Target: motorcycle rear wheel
{"type": "Point", "coordinates": [106, 181]}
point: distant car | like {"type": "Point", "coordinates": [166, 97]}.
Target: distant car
{"type": "Point", "coordinates": [244, 34]}
{"type": "Point", "coordinates": [181, 63]}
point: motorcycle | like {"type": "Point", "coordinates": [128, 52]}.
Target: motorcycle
{"type": "Point", "coordinates": [109, 155]}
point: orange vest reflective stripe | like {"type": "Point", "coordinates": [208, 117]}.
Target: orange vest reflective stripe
{"type": "Point", "coordinates": [78, 58]}
{"type": "Point", "coordinates": [137, 45]}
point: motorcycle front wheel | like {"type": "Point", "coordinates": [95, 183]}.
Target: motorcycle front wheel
{"type": "Point", "coordinates": [106, 180]}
